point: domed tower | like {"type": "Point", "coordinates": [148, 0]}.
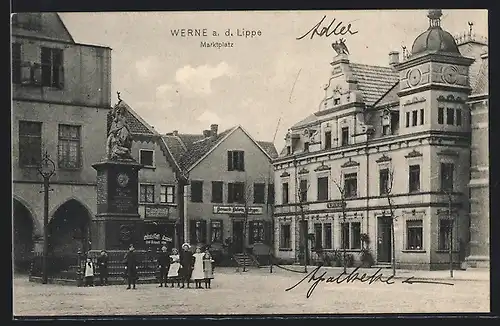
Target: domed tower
{"type": "Point", "coordinates": [434, 82]}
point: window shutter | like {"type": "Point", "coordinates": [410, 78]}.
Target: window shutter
{"type": "Point", "coordinates": [25, 73]}
{"type": "Point", "coordinates": [61, 76]}
{"type": "Point", "coordinates": [230, 192]}
{"type": "Point", "coordinates": [242, 161]}
{"type": "Point", "coordinates": [230, 161]}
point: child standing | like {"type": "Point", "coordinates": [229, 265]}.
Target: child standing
{"type": "Point", "coordinates": [89, 272]}
{"type": "Point", "coordinates": [198, 274]}
{"type": "Point", "coordinates": [173, 270]}
{"type": "Point", "coordinates": [208, 269]}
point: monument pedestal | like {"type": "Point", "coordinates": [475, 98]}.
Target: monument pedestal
{"type": "Point", "coordinates": [117, 223]}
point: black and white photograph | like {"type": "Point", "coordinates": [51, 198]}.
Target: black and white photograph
{"type": "Point", "coordinates": [286, 162]}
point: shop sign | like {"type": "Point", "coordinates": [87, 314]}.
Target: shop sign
{"type": "Point", "coordinates": [156, 239]}
{"type": "Point", "coordinates": [157, 211]}
{"type": "Point", "coordinates": [255, 210]}
{"type": "Point", "coordinates": [334, 204]}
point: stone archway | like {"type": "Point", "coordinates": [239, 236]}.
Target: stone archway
{"type": "Point", "coordinates": [69, 229]}
{"type": "Point", "coordinates": [23, 231]}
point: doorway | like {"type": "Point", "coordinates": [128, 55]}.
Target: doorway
{"type": "Point", "coordinates": [238, 228]}
{"type": "Point", "coordinates": [384, 241]}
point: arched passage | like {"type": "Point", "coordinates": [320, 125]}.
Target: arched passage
{"type": "Point", "coordinates": [22, 237]}
{"type": "Point", "coordinates": [69, 229]}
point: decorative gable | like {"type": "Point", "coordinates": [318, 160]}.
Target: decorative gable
{"type": "Point", "coordinates": [413, 154]}
{"type": "Point", "coordinates": [350, 163]}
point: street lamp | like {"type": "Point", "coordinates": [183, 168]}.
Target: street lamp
{"type": "Point", "coordinates": [46, 168]}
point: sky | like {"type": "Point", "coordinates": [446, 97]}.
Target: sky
{"type": "Point", "coordinates": [264, 83]}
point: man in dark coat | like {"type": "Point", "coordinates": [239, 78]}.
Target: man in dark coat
{"type": "Point", "coordinates": [163, 264]}
{"type": "Point", "coordinates": [102, 267]}
{"type": "Point", "coordinates": [131, 266]}
{"type": "Point", "coordinates": [187, 263]}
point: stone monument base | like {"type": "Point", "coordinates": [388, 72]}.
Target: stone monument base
{"type": "Point", "coordinates": [478, 262]}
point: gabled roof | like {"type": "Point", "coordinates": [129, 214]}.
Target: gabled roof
{"type": "Point", "coordinates": [373, 81]}
{"type": "Point", "coordinates": [390, 97]}
{"type": "Point", "coordinates": [269, 148]}
{"type": "Point", "coordinates": [135, 122]}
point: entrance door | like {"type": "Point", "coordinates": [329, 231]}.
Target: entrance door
{"type": "Point", "coordinates": [384, 248]}
{"type": "Point", "coordinates": [238, 236]}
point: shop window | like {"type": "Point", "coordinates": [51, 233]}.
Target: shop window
{"type": "Point", "coordinates": [284, 193]}
{"type": "Point", "coordinates": [323, 188]}
{"type": "Point", "coordinates": [217, 190]}
{"type": "Point", "coordinates": [351, 185]}
{"type": "Point", "coordinates": [197, 231]}
{"type": "Point", "coordinates": [216, 231]}
{"type": "Point", "coordinates": [318, 234]}
{"type": "Point", "coordinates": [350, 235]}
{"type": "Point", "coordinates": [30, 143]}
{"type": "Point", "coordinates": [69, 147]}
{"type": "Point", "coordinates": [167, 194]}
{"type": "Point", "coordinates": [445, 232]}
{"type": "Point", "coordinates": [196, 191]}
{"type": "Point", "coordinates": [236, 161]}
{"type": "Point", "coordinates": [236, 192]}
{"type": "Point", "coordinates": [303, 190]}
{"type": "Point", "coordinates": [447, 177]}
{"type": "Point", "coordinates": [146, 193]}
{"type": "Point", "coordinates": [257, 234]}
{"type": "Point", "coordinates": [414, 178]}
{"type": "Point", "coordinates": [259, 193]}
{"type": "Point", "coordinates": [146, 157]}
{"type": "Point", "coordinates": [356, 235]}
{"type": "Point", "coordinates": [285, 236]}
{"type": "Point", "coordinates": [414, 232]}
{"type": "Point", "coordinates": [344, 235]}
{"type": "Point", "coordinates": [328, 234]}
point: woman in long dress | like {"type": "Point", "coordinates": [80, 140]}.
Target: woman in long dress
{"type": "Point", "coordinates": [198, 274]}
{"type": "Point", "coordinates": [173, 270]}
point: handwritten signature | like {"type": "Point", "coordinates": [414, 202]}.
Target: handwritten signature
{"type": "Point", "coordinates": [339, 29]}
{"type": "Point", "coordinates": [353, 276]}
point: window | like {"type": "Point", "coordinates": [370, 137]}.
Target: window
{"type": "Point", "coordinates": [414, 121]}
{"type": "Point", "coordinates": [52, 67]}
{"type": "Point", "coordinates": [450, 116]}
{"type": "Point", "coordinates": [344, 240]}
{"type": "Point", "coordinates": [345, 136]}
{"type": "Point", "coordinates": [30, 143]}
{"type": "Point", "coordinates": [384, 181]}
{"type": "Point", "coordinates": [414, 231]}
{"type": "Point", "coordinates": [414, 178]}
{"type": "Point", "coordinates": [285, 236]}
{"type": "Point", "coordinates": [284, 193]}
{"type": "Point", "coordinates": [236, 192]}
{"type": "Point", "coordinates": [350, 185]}
{"type": "Point", "coordinates": [318, 234]}
{"type": "Point", "coordinates": [69, 147]}
{"type": "Point", "coordinates": [445, 231]}
{"type": "Point", "coordinates": [328, 139]}
{"type": "Point", "coordinates": [217, 189]}
{"type": "Point", "coordinates": [306, 147]}
{"type": "Point", "coordinates": [256, 229]}
{"type": "Point", "coordinates": [447, 176]}
{"type": "Point", "coordinates": [167, 194]}
{"type": "Point", "coordinates": [16, 63]}
{"type": "Point", "coordinates": [422, 116]}
{"type": "Point", "coordinates": [216, 232]}
{"type": "Point", "coordinates": [441, 116]}
{"type": "Point", "coordinates": [236, 161]}
{"type": "Point", "coordinates": [327, 230]}
{"type": "Point", "coordinates": [323, 188]}
{"type": "Point", "coordinates": [196, 191]}
{"type": "Point", "coordinates": [288, 150]}
{"type": "Point", "coordinates": [407, 119]}
{"type": "Point", "coordinates": [459, 117]}
{"type": "Point", "coordinates": [303, 190]}
{"type": "Point", "coordinates": [386, 130]}
{"type": "Point", "coordinates": [146, 157]}
{"type": "Point", "coordinates": [356, 235]}
{"type": "Point", "coordinates": [336, 101]}
{"type": "Point", "coordinates": [197, 231]}
{"type": "Point", "coordinates": [146, 193]}
{"type": "Point", "coordinates": [270, 194]}
{"type": "Point", "coordinates": [259, 193]}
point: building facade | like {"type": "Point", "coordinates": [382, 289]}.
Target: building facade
{"type": "Point", "coordinates": [228, 181]}
{"type": "Point", "coordinates": [61, 96]}
{"type": "Point", "coordinates": [392, 144]}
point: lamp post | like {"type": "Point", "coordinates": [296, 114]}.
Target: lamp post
{"type": "Point", "coordinates": [46, 169]}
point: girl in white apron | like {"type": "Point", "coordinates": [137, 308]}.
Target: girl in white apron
{"type": "Point", "coordinates": [198, 274]}
{"type": "Point", "coordinates": [208, 269]}
{"type": "Point", "coordinates": [173, 270]}
{"type": "Point", "coordinates": [89, 272]}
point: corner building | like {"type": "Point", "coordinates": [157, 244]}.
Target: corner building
{"type": "Point", "coordinates": [406, 125]}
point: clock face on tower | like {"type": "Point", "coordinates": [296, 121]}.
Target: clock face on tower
{"type": "Point", "coordinates": [450, 74]}
{"type": "Point", "coordinates": [414, 77]}
{"type": "Point", "coordinates": [122, 179]}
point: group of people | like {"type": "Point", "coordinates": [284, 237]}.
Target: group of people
{"type": "Point", "coordinates": [180, 268]}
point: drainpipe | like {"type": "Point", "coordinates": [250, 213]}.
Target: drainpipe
{"type": "Point", "coordinates": [185, 216]}
{"type": "Point", "coordinates": [367, 180]}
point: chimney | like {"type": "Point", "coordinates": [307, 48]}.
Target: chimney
{"type": "Point", "coordinates": [393, 58]}
{"type": "Point", "coordinates": [213, 130]}
{"type": "Point", "coordinates": [206, 133]}
{"type": "Point", "coordinates": [175, 133]}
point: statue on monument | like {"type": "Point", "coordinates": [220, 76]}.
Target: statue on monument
{"type": "Point", "coordinates": [119, 143]}
{"type": "Point", "coordinates": [340, 47]}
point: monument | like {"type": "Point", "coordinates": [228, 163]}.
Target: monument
{"type": "Point", "coordinates": [117, 223]}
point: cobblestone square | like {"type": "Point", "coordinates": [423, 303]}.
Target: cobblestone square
{"type": "Point", "coordinates": [253, 292]}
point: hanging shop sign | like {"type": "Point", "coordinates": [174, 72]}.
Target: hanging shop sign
{"type": "Point", "coordinates": [254, 210]}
